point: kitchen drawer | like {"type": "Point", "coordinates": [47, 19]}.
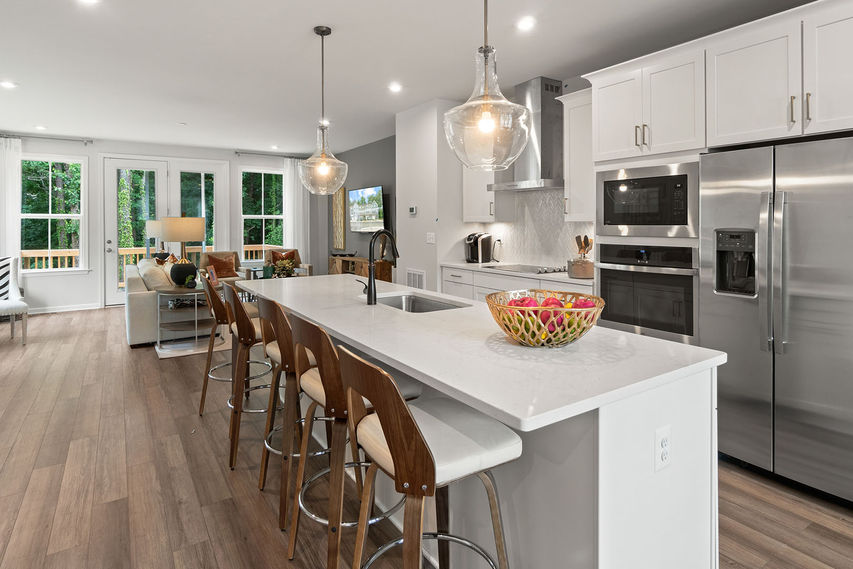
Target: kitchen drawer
{"type": "Point", "coordinates": [567, 286]}
{"type": "Point", "coordinates": [503, 282]}
{"type": "Point", "coordinates": [480, 293]}
{"type": "Point", "coordinates": [457, 275]}
{"type": "Point", "coordinates": [457, 289]}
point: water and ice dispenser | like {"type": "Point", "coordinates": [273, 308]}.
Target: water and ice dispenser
{"type": "Point", "coordinates": [735, 270]}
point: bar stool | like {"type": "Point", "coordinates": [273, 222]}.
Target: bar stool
{"type": "Point", "coordinates": [220, 315]}
{"type": "Point", "coordinates": [246, 333]}
{"type": "Point", "coordinates": [422, 446]}
{"type": "Point", "coordinates": [324, 388]}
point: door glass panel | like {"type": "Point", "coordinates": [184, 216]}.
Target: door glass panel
{"type": "Point", "coordinates": [197, 201]}
{"type": "Point", "coordinates": [135, 195]}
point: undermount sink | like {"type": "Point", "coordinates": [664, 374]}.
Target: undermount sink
{"type": "Point", "coordinates": [418, 303]}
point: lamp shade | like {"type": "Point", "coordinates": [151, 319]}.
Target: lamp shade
{"type": "Point", "coordinates": [182, 229]}
{"type": "Point", "coordinates": [153, 227]}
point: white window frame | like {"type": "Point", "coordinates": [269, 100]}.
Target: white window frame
{"type": "Point", "coordinates": [82, 217]}
{"type": "Point", "coordinates": [244, 217]}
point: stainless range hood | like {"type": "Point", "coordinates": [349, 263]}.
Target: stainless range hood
{"type": "Point", "coordinates": [540, 165]}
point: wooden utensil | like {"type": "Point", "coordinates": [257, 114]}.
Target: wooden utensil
{"type": "Point", "coordinates": [579, 241]}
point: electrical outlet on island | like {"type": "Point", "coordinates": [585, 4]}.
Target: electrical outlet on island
{"type": "Point", "coordinates": [663, 447]}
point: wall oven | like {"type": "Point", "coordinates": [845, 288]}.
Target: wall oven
{"type": "Point", "coordinates": [650, 290]}
{"type": "Point", "coordinates": [656, 201]}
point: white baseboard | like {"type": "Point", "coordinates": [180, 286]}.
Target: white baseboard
{"type": "Point", "coordinates": [68, 308]}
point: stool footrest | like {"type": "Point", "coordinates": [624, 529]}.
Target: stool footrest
{"type": "Point", "coordinates": [277, 451]}
{"type": "Point", "coordinates": [379, 517]}
{"type": "Point", "coordinates": [440, 536]}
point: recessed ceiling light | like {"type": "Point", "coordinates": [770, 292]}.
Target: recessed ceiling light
{"type": "Point", "coordinates": [182, 124]}
{"type": "Point", "coordinates": [526, 24]}
{"type": "Point", "coordinates": [8, 84]}
{"type": "Point", "coordinates": [395, 87]}
{"type": "Point", "coordinates": [89, 2]}
{"type": "Point", "coordinates": [274, 147]}
{"type": "Point", "coordinates": [40, 127]}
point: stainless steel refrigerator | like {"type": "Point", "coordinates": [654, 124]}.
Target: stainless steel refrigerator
{"type": "Point", "coordinates": [776, 294]}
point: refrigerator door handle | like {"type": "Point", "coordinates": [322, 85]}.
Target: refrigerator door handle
{"type": "Point", "coordinates": [780, 324]}
{"type": "Point", "coordinates": [764, 267]}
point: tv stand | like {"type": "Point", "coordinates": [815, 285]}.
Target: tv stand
{"type": "Point", "coordinates": [358, 266]}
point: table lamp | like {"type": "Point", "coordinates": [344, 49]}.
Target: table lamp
{"type": "Point", "coordinates": [182, 229]}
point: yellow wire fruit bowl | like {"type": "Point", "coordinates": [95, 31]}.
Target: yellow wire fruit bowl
{"type": "Point", "coordinates": [556, 324]}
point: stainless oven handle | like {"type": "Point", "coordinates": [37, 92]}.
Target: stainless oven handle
{"type": "Point", "coordinates": [647, 269]}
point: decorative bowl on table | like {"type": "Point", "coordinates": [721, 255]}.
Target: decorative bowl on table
{"type": "Point", "coordinates": [547, 318]}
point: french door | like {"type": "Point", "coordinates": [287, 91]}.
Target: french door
{"type": "Point", "coordinates": [134, 191]}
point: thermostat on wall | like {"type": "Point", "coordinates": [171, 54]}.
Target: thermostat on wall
{"type": "Point", "coordinates": [413, 210]}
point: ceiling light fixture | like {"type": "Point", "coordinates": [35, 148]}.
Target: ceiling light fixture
{"type": "Point", "coordinates": [526, 24]}
{"type": "Point", "coordinates": [395, 87]}
{"type": "Point", "coordinates": [8, 84]}
{"type": "Point", "coordinates": [274, 147]}
{"type": "Point", "coordinates": [40, 127]}
{"type": "Point", "coordinates": [89, 2]}
{"type": "Point", "coordinates": [182, 124]}
{"type": "Point", "coordinates": [487, 132]}
{"type": "Point", "coordinates": [322, 173]}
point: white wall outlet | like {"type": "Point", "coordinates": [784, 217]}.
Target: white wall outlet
{"type": "Point", "coordinates": [430, 238]}
{"type": "Point", "coordinates": [413, 210]}
{"type": "Point", "coordinates": [663, 447]}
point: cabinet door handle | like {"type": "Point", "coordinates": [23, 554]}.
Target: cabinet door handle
{"type": "Point", "coordinates": [491, 208]}
{"type": "Point", "coordinates": [808, 106]}
{"type": "Point", "coordinates": [793, 98]}
{"type": "Point", "coordinates": [637, 135]}
{"type": "Point", "coordinates": [645, 128]}
{"type": "Point", "coordinates": [566, 206]}
{"type": "Point", "coordinates": [455, 276]}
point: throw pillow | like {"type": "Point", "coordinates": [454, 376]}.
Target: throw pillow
{"type": "Point", "coordinates": [154, 277]}
{"type": "Point", "coordinates": [172, 259]}
{"type": "Point", "coordinates": [224, 265]}
{"type": "Point", "coordinates": [276, 256]}
{"type": "Point", "coordinates": [5, 277]}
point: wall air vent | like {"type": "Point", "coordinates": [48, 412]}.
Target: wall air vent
{"type": "Point", "coordinates": [415, 278]}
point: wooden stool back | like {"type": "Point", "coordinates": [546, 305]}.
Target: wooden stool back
{"type": "Point", "coordinates": [237, 313]}
{"type": "Point", "coordinates": [414, 465]}
{"type": "Point", "coordinates": [275, 327]}
{"type": "Point", "coordinates": [307, 335]}
{"type": "Point", "coordinates": [214, 302]}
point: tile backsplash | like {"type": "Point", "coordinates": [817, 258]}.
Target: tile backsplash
{"type": "Point", "coordinates": [539, 235]}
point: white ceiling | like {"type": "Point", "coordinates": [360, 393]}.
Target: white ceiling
{"type": "Point", "coordinates": [245, 74]}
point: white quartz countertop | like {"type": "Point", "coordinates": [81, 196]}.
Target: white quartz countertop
{"type": "Point", "coordinates": [463, 354]}
{"type": "Point", "coordinates": [484, 268]}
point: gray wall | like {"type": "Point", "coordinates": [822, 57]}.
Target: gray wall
{"type": "Point", "coordinates": [373, 164]}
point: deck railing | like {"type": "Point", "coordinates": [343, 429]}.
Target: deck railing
{"type": "Point", "coordinates": [37, 259]}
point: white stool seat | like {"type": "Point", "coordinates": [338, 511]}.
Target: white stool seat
{"type": "Point", "coordinates": [312, 385]}
{"type": "Point", "coordinates": [275, 354]}
{"type": "Point", "coordinates": [256, 322]}
{"type": "Point", "coordinates": [463, 441]}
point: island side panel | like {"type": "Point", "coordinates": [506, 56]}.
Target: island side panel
{"type": "Point", "coordinates": [664, 518]}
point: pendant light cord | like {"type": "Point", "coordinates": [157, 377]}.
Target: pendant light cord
{"type": "Point", "coordinates": [323, 80]}
{"type": "Point", "coordinates": [485, 23]}
{"type": "Point", "coordinates": [486, 47]}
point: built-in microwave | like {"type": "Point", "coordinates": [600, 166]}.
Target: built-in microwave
{"type": "Point", "coordinates": [652, 201]}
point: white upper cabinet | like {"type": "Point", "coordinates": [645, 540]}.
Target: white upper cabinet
{"type": "Point", "coordinates": [578, 167]}
{"type": "Point", "coordinates": [478, 204]}
{"type": "Point", "coordinates": [754, 82]}
{"type": "Point", "coordinates": [617, 102]}
{"type": "Point", "coordinates": [827, 70]}
{"type": "Point", "coordinates": [649, 107]}
{"type": "Point", "coordinates": [674, 104]}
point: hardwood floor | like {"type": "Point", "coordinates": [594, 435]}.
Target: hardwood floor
{"type": "Point", "coordinates": [105, 463]}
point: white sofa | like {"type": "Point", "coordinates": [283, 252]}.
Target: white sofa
{"type": "Point", "coordinates": [140, 307]}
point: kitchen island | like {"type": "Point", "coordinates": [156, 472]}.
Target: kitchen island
{"type": "Point", "coordinates": [590, 489]}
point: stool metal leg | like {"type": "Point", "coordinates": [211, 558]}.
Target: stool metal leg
{"type": "Point", "coordinates": [300, 475]}
{"type": "Point", "coordinates": [497, 522]}
{"type": "Point", "coordinates": [442, 518]}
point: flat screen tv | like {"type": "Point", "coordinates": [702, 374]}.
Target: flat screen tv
{"type": "Point", "coordinates": [366, 210]}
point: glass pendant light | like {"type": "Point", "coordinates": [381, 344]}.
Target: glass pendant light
{"type": "Point", "coordinates": [487, 132]}
{"type": "Point", "coordinates": [322, 173]}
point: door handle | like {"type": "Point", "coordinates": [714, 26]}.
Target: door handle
{"type": "Point", "coordinates": [491, 208]}
{"type": "Point", "coordinates": [566, 206]}
{"type": "Point", "coordinates": [764, 266]}
{"type": "Point", "coordinates": [808, 106]}
{"type": "Point", "coordinates": [780, 300]}
{"type": "Point", "coordinates": [109, 249]}
{"type": "Point", "coordinates": [793, 98]}
{"type": "Point", "coordinates": [645, 128]}
{"type": "Point", "coordinates": [637, 135]}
